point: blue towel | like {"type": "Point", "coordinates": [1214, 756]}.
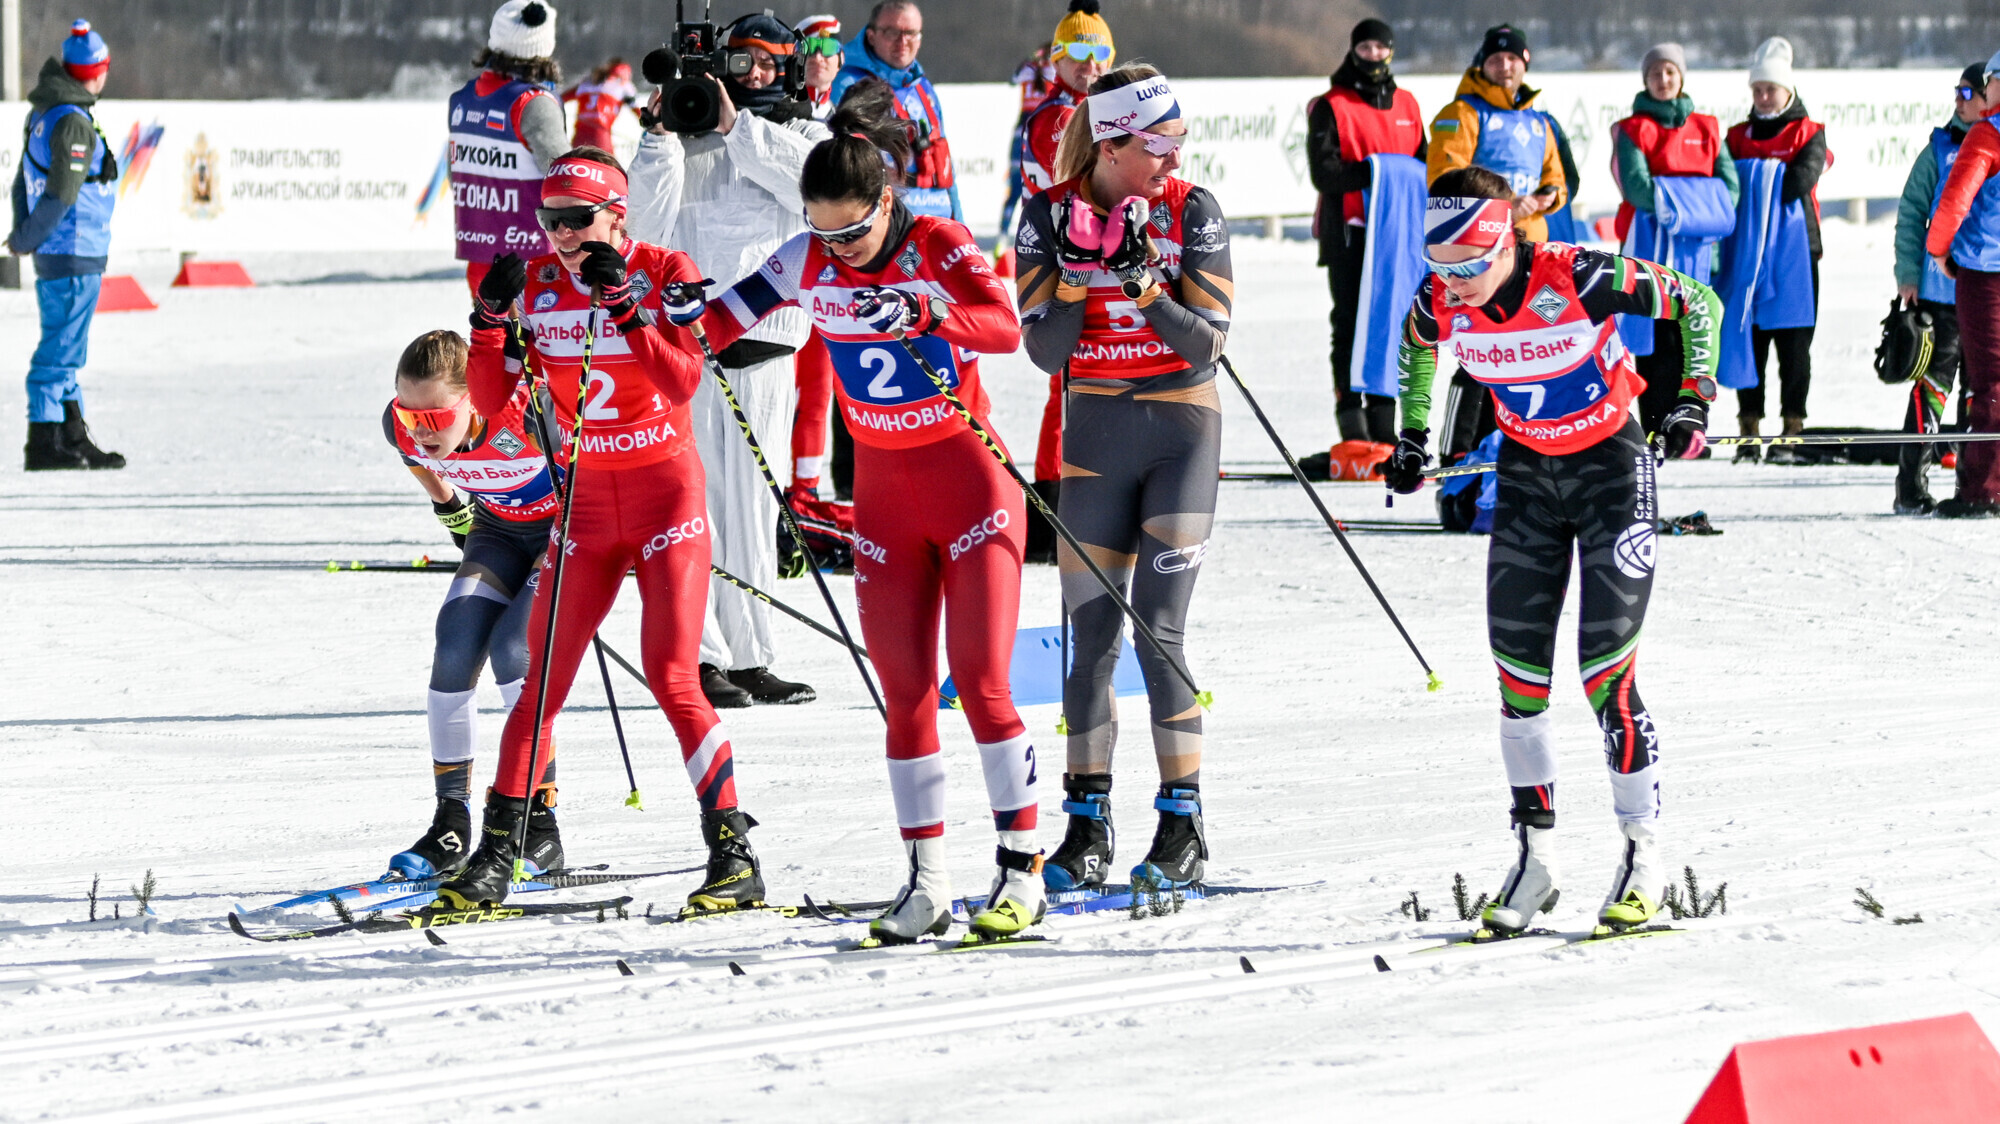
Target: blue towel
{"type": "Point", "coordinates": [1691, 213]}
{"type": "Point", "coordinates": [1488, 483]}
{"type": "Point", "coordinates": [1391, 268]}
{"type": "Point", "coordinates": [1765, 279]}
{"type": "Point", "coordinates": [1036, 676]}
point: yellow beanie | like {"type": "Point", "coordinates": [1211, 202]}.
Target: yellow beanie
{"type": "Point", "coordinates": [1084, 25]}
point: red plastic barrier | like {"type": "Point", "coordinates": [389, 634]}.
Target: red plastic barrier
{"type": "Point", "coordinates": [1003, 262]}
{"type": "Point", "coordinates": [1357, 460]}
{"type": "Point", "coordinates": [1606, 227]}
{"type": "Point", "coordinates": [121, 293]}
{"type": "Point", "coordinates": [1931, 1071]}
{"type": "Point", "coordinates": [213, 275]}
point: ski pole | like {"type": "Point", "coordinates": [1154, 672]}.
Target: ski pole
{"type": "Point", "coordinates": [774, 603]}
{"type": "Point", "coordinates": [1298, 474]}
{"type": "Point", "coordinates": [785, 512]}
{"type": "Point", "coordinates": [944, 388]}
{"type": "Point", "coordinates": [631, 801]}
{"type": "Point", "coordinates": [559, 550]}
{"type": "Point", "coordinates": [1797, 439]}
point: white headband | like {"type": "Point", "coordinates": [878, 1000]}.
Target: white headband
{"type": "Point", "coordinates": [1139, 106]}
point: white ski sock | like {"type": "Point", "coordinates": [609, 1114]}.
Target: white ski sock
{"type": "Point", "coordinates": [917, 784]}
{"type": "Point", "coordinates": [454, 722]}
{"type": "Point", "coordinates": [1636, 796]}
{"type": "Point", "coordinates": [1528, 747]}
{"type": "Point", "coordinates": [1010, 785]}
{"type": "Point", "coordinates": [510, 693]}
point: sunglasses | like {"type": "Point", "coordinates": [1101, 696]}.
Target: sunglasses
{"type": "Point", "coordinates": [1966, 93]}
{"type": "Point", "coordinates": [1471, 268]}
{"type": "Point", "coordinates": [849, 233]}
{"type": "Point", "coordinates": [1085, 52]}
{"type": "Point", "coordinates": [570, 218]}
{"type": "Point", "coordinates": [819, 46]}
{"type": "Point", "coordinates": [437, 421]}
{"type": "Point", "coordinates": [1156, 143]}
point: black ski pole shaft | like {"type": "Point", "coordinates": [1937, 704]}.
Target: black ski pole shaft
{"type": "Point", "coordinates": [557, 549]}
{"type": "Point", "coordinates": [632, 800]}
{"type": "Point", "coordinates": [774, 603]}
{"type": "Point", "coordinates": [1333, 525]}
{"type": "Point", "coordinates": [621, 661]}
{"type": "Point", "coordinates": [785, 513]}
{"type": "Point", "coordinates": [1138, 624]}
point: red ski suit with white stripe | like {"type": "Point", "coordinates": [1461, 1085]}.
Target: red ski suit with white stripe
{"type": "Point", "coordinates": [637, 502]}
{"type": "Point", "coordinates": [937, 520]}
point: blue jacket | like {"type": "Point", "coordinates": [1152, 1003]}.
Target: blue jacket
{"type": "Point", "coordinates": [919, 100]}
{"type": "Point", "coordinates": [66, 185]}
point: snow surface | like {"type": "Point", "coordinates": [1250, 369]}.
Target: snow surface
{"type": "Point", "coordinates": [1821, 675]}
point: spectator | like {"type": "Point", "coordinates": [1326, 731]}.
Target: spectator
{"type": "Point", "coordinates": [887, 49]}
{"type": "Point", "coordinates": [63, 194]}
{"type": "Point", "coordinates": [1922, 284]}
{"type": "Point", "coordinates": [1665, 138]}
{"type": "Point", "coordinates": [1493, 123]}
{"type": "Point", "coordinates": [1362, 114]}
{"type": "Point", "coordinates": [1778, 129]}
{"type": "Point", "coordinates": [728, 198]}
{"type": "Point", "coordinates": [506, 129]}
{"type": "Point", "coordinates": [1964, 242]}
{"type": "Point", "coordinates": [1034, 76]}
{"type": "Point", "coordinates": [819, 43]}
{"type": "Point", "coordinates": [599, 101]}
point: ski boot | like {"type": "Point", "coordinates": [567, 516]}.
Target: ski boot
{"type": "Point", "coordinates": [1180, 846]}
{"type": "Point", "coordinates": [923, 906]}
{"type": "Point", "coordinates": [733, 880]}
{"type": "Point", "coordinates": [1640, 883]}
{"type": "Point", "coordinates": [1017, 900]}
{"type": "Point", "coordinates": [443, 850]}
{"type": "Point", "coordinates": [1084, 859]}
{"type": "Point", "coordinates": [1530, 887]}
{"type": "Point", "coordinates": [76, 437]}
{"type": "Point", "coordinates": [489, 873]}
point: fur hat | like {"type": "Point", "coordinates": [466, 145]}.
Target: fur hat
{"type": "Point", "coordinates": [523, 29]}
{"type": "Point", "coordinates": [1773, 62]}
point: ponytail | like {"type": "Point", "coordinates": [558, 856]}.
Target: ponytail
{"type": "Point", "coordinates": [853, 165]}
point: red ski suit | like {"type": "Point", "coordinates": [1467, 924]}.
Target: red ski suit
{"type": "Point", "coordinates": [937, 521]}
{"type": "Point", "coordinates": [637, 502]}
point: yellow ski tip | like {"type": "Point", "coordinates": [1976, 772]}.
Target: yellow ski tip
{"type": "Point", "coordinates": [1062, 724]}
{"type": "Point", "coordinates": [332, 567]}
{"type": "Point", "coordinates": [1206, 699]}
{"type": "Point", "coordinates": [632, 801]}
{"type": "Point", "coordinates": [1434, 684]}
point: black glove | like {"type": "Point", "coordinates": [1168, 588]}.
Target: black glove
{"type": "Point", "coordinates": [1078, 232]}
{"type": "Point", "coordinates": [1404, 470]}
{"type": "Point", "coordinates": [498, 290]}
{"type": "Point", "coordinates": [456, 515]}
{"type": "Point", "coordinates": [1684, 432]}
{"type": "Point", "coordinates": [1128, 260]}
{"type": "Point", "coordinates": [603, 268]}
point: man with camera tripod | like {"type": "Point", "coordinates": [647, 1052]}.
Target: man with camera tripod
{"type": "Point", "coordinates": [728, 196]}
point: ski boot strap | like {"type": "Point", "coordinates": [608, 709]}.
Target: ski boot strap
{"type": "Point", "coordinates": [1525, 817]}
{"type": "Point", "coordinates": [1091, 807]}
{"type": "Point", "coordinates": [1027, 862]}
{"type": "Point", "coordinates": [1179, 801]}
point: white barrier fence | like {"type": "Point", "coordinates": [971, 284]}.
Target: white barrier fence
{"type": "Point", "coordinates": [241, 176]}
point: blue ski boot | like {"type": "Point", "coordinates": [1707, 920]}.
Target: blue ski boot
{"type": "Point", "coordinates": [1178, 857]}
{"type": "Point", "coordinates": [444, 848]}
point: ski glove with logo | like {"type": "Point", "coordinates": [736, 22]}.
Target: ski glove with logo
{"type": "Point", "coordinates": [456, 515]}
{"type": "Point", "coordinates": [685, 301]}
{"type": "Point", "coordinates": [1684, 432]}
{"type": "Point", "coordinates": [603, 269]}
{"type": "Point", "coordinates": [1079, 240]}
{"type": "Point", "coordinates": [498, 291]}
{"type": "Point", "coordinates": [889, 311]}
{"type": "Point", "coordinates": [1404, 470]}
{"type": "Point", "coordinates": [1126, 246]}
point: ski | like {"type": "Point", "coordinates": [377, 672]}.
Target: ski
{"type": "Point", "coordinates": [1118, 896]}
{"type": "Point", "coordinates": [400, 891]}
{"type": "Point", "coordinates": [426, 920]}
{"type": "Point", "coordinates": [822, 911]}
{"type": "Point", "coordinates": [1598, 934]}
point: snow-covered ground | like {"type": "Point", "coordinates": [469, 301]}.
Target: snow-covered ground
{"type": "Point", "coordinates": [1821, 674]}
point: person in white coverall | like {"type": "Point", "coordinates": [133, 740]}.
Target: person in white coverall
{"type": "Point", "coordinates": [728, 199]}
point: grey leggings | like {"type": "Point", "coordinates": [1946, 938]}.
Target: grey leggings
{"type": "Point", "coordinates": [1140, 462]}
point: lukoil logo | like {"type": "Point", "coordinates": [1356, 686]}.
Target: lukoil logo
{"type": "Point", "coordinates": [674, 536]}
{"type": "Point", "coordinates": [874, 552]}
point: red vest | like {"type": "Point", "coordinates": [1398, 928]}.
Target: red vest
{"type": "Point", "coordinates": [1365, 131]}
{"type": "Point", "coordinates": [1560, 383]}
{"type": "Point", "coordinates": [1688, 149]}
{"type": "Point", "coordinates": [1785, 145]}
{"type": "Point", "coordinates": [1118, 342]}
{"type": "Point", "coordinates": [933, 151]}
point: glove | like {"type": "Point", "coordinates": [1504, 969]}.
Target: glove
{"type": "Point", "coordinates": [685, 301]}
{"type": "Point", "coordinates": [456, 515]}
{"type": "Point", "coordinates": [885, 310]}
{"type": "Point", "coordinates": [1684, 432]}
{"type": "Point", "coordinates": [1079, 238]}
{"type": "Point", "coordinates": [1404, 470]}
{"type": "Point", "coordinates": [603, 269]}
{"type": "Point", "coordinates": [1126, 247]}
{"type": "Point", "coordinates": [498, 290]}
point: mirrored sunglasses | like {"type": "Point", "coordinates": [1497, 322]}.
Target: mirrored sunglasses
{"type": "Point", "coordinates": [819, 46]}
{"type": "Point", "coordinates": [436, 421]}
{"type": "Point", "coordinates": [848, 233]}
{"type": "Point", "coordinates": [1470, 268]}
{"type": "Point", "coordinates": [1966, 93]}
{"type": "Point", "coordinates": [570, 218]}
{"type": "Point", "coordinates": [1085, 52]}
{"type": "Point", "coordinates": [1157, 143]}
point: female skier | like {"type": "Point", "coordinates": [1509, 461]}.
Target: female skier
{"type": "Point", "coordinates": [936, 518]}
{"type": "Point", "coordinates": [504, 531]}
{"type": "Point", "coordinates": [1533, 322]}
{"type": "Point", "coordinates": [1124, 278]}
{"type": "Point", "coordinates": [636, 500]}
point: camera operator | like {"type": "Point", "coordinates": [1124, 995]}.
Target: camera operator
{"type": "Point", "coordinates": [728, 197]}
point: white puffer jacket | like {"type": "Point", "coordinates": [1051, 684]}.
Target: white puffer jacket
{"type": "Point", "coordinates": [727, 201]}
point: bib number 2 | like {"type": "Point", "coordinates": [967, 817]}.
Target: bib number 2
{"type": "Point", "coordinates": [883, 363]}
{"type": "Point", "coordinates": [602, 388]}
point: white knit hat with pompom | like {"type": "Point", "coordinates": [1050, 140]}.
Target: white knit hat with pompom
{"type": "Point", "coordinates": [524, 29]}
